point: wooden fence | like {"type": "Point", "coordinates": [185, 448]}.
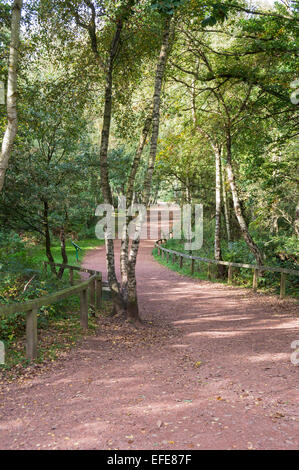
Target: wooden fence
{"type": "Point", "coordinates": [93, 286]}
{"type": "Point", "coordinates": [256, 269]}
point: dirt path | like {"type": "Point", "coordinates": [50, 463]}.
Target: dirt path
{"type": "Point", "coordinates": [211, 371]}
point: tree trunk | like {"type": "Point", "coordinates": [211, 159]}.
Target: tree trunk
{"type": "Point", "coordinates": [129, 201]}
{"type": "Point", "coordinates": [156, 109]}
{"type": "Point", "coordinates": [132, 306]}
{"type": "Point", "coordinates": [12, 117]}
{"type": "Point", "coordinates": [112, 279]}
{"type": "Point", "coordinates": [217, 240]}
{"type": "Point", "coordinates": [237, 205]}
{"type": "Point", "coordinates": [63, 252]}
{"type": "Point", "coordinates": [217, 247]}
{"type": "Point", "coordinates": [132, 300]}
{"type": "Point", "coordinates": [48, 237]}
{"type": "Point", "coordinates": [125, 11]}
{"type": "Point", "coordinates": [137, 158]}
{"type": "Point", "coordinates": [296, 222]}
{"type": "Point", "coordinates": [226, 213]}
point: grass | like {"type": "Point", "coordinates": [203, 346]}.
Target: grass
{"type": "Point", "coordinates": [58, 324]}
{"type": "Point", "coordinates": [38, 252]}
{"type": "Point", "coordinates": [200, 269]}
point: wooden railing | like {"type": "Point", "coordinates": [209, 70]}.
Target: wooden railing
{"type": "Point", "coordinates": [256, 269]}
{"type": "Point", "coordinates": [93, 285]}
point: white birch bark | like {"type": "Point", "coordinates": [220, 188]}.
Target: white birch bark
{"type": "Point", "coordinates": [12, 116]}
{"type": "Point", "coordinates": [132, 303]}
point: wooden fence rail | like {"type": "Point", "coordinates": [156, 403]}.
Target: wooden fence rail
{"type": "Point", "coordinates": [257, 270]}
{"type": "Point", "coordinates": [93, 285]}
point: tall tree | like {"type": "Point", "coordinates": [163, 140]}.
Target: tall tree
{"type": "Point", "coordinates": [12, 116]}
{"type": "Point", "coordinates": [132, 302]}
{"type": "Point", "coordinates": [124, 292]}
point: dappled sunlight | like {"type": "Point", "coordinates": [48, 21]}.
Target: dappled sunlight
{"type": "Point", "coordinates": [153, 146]}
{"type": "Point", "coordinates": [217, 334]}
{"type": "Point", "coordinates": [200, 319]}
{"type": "Point", "coordinates": [121, 380]}
{"type": "Point", "coordinates": [270, 357]}
{"type": "Point", "coordinates": [125, 386]}
{"type": "Point", "coordinates": [157, 408]}
{"type": "Point", "coordinates": [291, 324]}
{"type": "Point", "coordinates": [14, 423]}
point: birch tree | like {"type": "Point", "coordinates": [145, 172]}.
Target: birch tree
{"type": "Point", "coordinates": [124, 291]}
{"type": "Point", "coordinates": [132, 302]}
{"type": "Point", "coordinates": [11, 103]}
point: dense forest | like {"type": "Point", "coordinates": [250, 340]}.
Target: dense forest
{"type": "Point", "coordinates": [110, 109]}
{"type": "Point", "coordinates": [175, 100]}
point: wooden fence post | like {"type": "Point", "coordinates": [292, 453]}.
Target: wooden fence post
{"type": "Point", "coordinates": [255, 279]}
{"type": "Point", "coordinates": [167, 257]}
{"type": "Point", "coordinates": [209, 271]}
{"type": "Point", "coordinates": [92, 295]}
{"type": "Point", "coordinates": [230, 275]}
{"type": "Point", "coordinates": [181, 261]}
{"type": "Point", "coordinates": [192, 266]}
{"type": "Point", "coordinates": [98, 283]}
{"type": "Point", "coordinates": [283, 277]}
{"type": "Point", "coordinates": [84, 308]}
{"type": "Point", "coordinates": [173, 258]}
{"type": "Point", "coordinates": [31, 334]}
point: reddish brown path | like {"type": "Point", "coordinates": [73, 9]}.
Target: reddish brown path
{"type": "Point", "coordinates": [211, 371]}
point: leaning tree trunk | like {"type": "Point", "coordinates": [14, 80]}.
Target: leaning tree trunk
{"type": "Point", "coordinates": [48, 237]}
{"type": "Point", "coordinates": [132, 304]}
{"type": "Point", "coordinates": [217, 240]}
{"type": "Point", "coordinates": [63, 252]}
{"type": "Point", "coordinates": [226, 213]}
{"type": "Point", "coordinates": [12, 117]}
{"type": "Point", "coordinates": [237, 206]}
{"type": "Point", "coordinates": [125, 11]}
{"type": "Point", "coordinates": [156, 110]}
{"type": "Point", "coordinates": [296, 222]}
{"type": "Point", "coordinates": [129, 199]}
{"type": "Point", "coordinates": [110, 260]}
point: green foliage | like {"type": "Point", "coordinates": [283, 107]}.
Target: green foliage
{"type": "Point", "coordinates": [167, 7]}
{"type": "Point", "coordinates": [219, 13]}
{"type": "Point", "coordinates": [22, 279]}
{"type": "Point", "coordinates": [279, 251]}
{"type": "Point", "coordinates": [227, 68]}
{"type": "Point", "coordinates": [28, 282]}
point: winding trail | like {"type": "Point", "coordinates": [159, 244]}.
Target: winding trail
{"type": "Point", "coordinates": [211, 370]}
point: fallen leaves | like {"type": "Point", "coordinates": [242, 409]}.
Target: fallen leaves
{"type": "Point", "coordinates": [277, 415]}
{"type": "Point", "coordinates": [197, 364]}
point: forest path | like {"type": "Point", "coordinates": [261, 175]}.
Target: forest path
{"type": "Point", "coordinates": [211, 370]}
